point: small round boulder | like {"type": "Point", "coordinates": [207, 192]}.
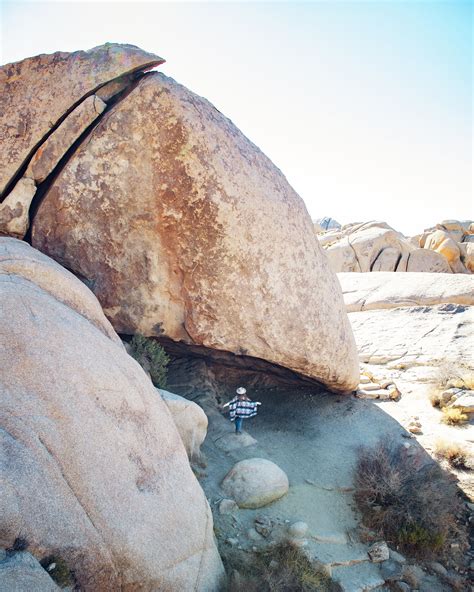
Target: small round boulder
{"type": "Point", "coordinates": [255, 482]}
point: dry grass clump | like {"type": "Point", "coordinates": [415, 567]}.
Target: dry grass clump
{"type": "Point", "coordinates": [412, 507]}
{"type": "Point", "coordinates": [455, 453]}
{"type": "Point", "coordinates": [435, 398]}
{"type": "Point", "coordinates": [453, 416]}
{"type": "Point", "coordinates": [282, 568]}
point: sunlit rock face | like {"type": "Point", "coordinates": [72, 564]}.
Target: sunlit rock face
{"type": "Point", "coordinates": [184, 228]}
{"type": "Point", "coordinates": [92, 467]}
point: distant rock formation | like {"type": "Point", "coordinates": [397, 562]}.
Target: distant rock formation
{"type": "Point", "coordinates": [376, 246]}
{"type": "Point", "coordinates": [93, 469]}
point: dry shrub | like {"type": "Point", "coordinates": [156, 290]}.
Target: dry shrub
{"type": "Point", "coordinates": [412, 507]}
{"type": "Point", "coordinates": [435, 398]}
{"type": "Point", "coordinates": [282, 568]}
{"type": "Point", "coordinates": [453, 416]}
{"type": "Point", "coordinates": [455, 453]}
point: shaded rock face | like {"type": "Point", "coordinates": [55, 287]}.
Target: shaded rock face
{"type": "Point", "coordinates": [190, 421]}
{"type": "Point", "coordinates": [93, 469]}
{"type": "Point", "coordinates": [184, 228]}
{"type": "Point", "coordinates": [20, 572]}
{"type": "Point", "coordinates": [36, 93]}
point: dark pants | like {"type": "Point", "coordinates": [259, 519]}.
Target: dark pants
{"type": "Point", "coordinates": [238, 424]}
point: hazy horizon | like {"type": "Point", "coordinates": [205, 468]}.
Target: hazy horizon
{"type": "Point", "coordinates": [366, 107]}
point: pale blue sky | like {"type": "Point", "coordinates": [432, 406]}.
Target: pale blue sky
{"type": "Point", "coordinates": [365, 106]}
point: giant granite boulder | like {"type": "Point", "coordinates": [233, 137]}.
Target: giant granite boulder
{"type": "Point", "coordinates": [92, 468]}
{"type": "Point", "coordinates": [183, 228]}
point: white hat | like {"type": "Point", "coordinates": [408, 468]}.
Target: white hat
{"type": "Point", "coordinates": [241, 390]}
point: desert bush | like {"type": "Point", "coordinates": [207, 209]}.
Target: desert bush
{"type": "Point", "coordinates": [455, 453]}
{"type": "Point", "coordinates": [281, 568]}
{"type": "Point", "coordinates": [453, 416]}
{"type": "Point", "coordinates": [412, 507]}
{"type": "Point", "coordinates": [152, 357]}
{"type": "Point", "coordinates": [435, 398]}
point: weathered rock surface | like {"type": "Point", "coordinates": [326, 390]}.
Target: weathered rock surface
{"type": "Point", "coordinates": [415, 336]}
{"type": "Point", "coordinates": [36, 93]}
{"type": "Point", "coordinates": [92, 467]}
{"type": "Point", "coordinates": [18, 259]}
{"type": "Point", "coordinates": [255, 482]}
{"type": "Point", "coordinates": [189, 419]}
{"type": "Point", "coordinates": [49, 154]}
{"type": "Point", "coordinates": [184, 227]}
{"type": "Point", "coordinates": [364, 291]}
{"type": "Point", "coordinates": [375, 246]}
{"type": "Point", "coordinates": [21, 572]}
{"type": "Point", "coordinates": [14, 219]}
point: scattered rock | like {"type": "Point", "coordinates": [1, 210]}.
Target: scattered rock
{"type": "Point", "coordinates": [464, 401]}
{"type": "Point", "coordinates": [413, 575]}
{"type": "Point", "coordinates": [401, 587]}
{"type": "Point", "coordinates": [379, 552]}
{"type": "Point", "coordinates": [298, 529]}
{"type": "Point", "coordinates": [227, 506]}
{"type": "Point", "coordinates": [396, 556]}
{"type": "Point", "coordinates": [264, 525]}
{"type": "Point", "coordinates": [253, 535]}
{"type": "Point", "coordinates": [21, 572]}
{"type": "Point", "coordinates": [438, 569]}
{"type": "Point", "coordinates": [255, 482]}
{"type": "Point", "coordinates": [391, 570]}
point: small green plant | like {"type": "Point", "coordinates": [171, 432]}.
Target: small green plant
{"type": "Point", "coordinates": [453, 416]}
{"type": "Point", "coordinates": [152, 357]}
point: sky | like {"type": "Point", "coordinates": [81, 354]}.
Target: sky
{"type": "Point", "coordinates": [366, 107]}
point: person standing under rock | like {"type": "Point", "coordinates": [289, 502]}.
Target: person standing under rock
{"type": "Point", "coordinates": [240, 408]}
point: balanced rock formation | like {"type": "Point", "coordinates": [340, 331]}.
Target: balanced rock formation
{"type": "Point", "coordinates": [93, 469]}
{"type": "Point", "coordinates": [385, 290]}
{"type": "Point", "coordinates": [183, 228]}
{"type": "Point", "coordinates": [255, 482]}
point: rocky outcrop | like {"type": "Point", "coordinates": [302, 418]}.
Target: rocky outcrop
{"type": "Point", "coordinates": [37, 93]}
{"type": "Point", "coordinates": [385, 290]}
{"type": "Point", "coordinates": [162, 211]}
{"type": "Point", "coordinates": [190, 421]}
{"type": "Point", "coordinates": [375, 246]}
{"type": "Point", "coordinates": [93, 469]}
{"type": "Point", "coordinates": [255, 482]}
{"type": "Point", "coordinates": [415, 336]}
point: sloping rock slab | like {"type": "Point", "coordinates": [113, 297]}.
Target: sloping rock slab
{"type": "Point", "coordinates": [382, 290]}
{"type": "Point", "coordinates": [416, 336]}
{"type": "Point", "coordinates": [184, 228]}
